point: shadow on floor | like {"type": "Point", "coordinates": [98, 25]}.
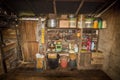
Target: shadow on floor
{"type": "Point", "coordinates": [59, 74]}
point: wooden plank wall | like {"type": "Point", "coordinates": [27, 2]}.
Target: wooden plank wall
{"type": "Point", "coordinates": [1, 69]}
{"type": "Point", "coordinates": [28, 40]}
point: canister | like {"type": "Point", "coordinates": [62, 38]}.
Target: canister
{"type": "Point", "coordinates": [72, 21]}
{"type": "Point", "coordinates": [99, 23]}
{"type": "Point", "coordinates": [88, 22]}
{"type": "Point", "coordinates": [104, 24]}
{"type": "Point", "coordinates": [52, 23]}
{"type": "Point", "coordinates": [63, 61]}
{"type": "Point", "coordinates": [95, 24]}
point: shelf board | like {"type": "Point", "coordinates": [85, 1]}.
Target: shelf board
{"type": "Point", "coordinates": [91, 28]}
{"type": "Point", "coordinates": [78, 28]}
{"type": "Point", "coordinates": [57, 52]}
{"type": "Point", "coordinates": [61, 28]}
{"type": "Point", "coordinates": [84, 52]}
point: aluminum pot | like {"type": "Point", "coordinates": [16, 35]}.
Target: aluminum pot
{"type": "Point", "coordinates": [52, 23]}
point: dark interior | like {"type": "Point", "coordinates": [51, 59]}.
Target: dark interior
{"type": "Point", "coordinates": [38, 7]}
{"type": "Point", "coordinates": [21, 39]}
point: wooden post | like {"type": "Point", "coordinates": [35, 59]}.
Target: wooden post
{"type": "Point", "coordinates": [4, 67]}
{"type": "Point", "coordinates": [80, 42]}
{"type": "Point", "coordinates": [19, 55]}
{"type": "Point", "coordinates": [97, 40]}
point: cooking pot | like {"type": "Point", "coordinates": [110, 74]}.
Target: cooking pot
{"type": "Point", "coordinates": [52, 23]}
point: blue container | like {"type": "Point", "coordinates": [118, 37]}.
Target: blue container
{"type": "Point", "coordinates": [72, 64]}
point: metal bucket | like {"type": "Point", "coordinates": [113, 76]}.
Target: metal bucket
{"type": "Point", "coordinates": [52, 23]}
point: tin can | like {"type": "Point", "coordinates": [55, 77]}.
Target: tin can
{"type": "Point", "coordinates": [52, 23]}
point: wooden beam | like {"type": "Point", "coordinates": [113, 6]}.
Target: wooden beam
{"type": "Point", "coordinates": [85, 0]}
{"type": "Point", "coordinates": [54, 7]}
{"type": "Point", "coordinates": [80, 6]}
{"type": "Point", "coordinates": [106, 9]}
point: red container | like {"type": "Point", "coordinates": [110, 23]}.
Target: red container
{"type": "Point", "coordinates": [64, 62]}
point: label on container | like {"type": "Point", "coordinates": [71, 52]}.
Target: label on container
{"type": "Point", "coordinates": [72, 23]}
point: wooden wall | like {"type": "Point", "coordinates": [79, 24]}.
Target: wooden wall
{"type": "Point", "coordinates": [109, 42]}
{"type": "Point", "coordinates": [28, 42]}
{"type": "Point", "coordinates": [1, 71]}
{"type": "Point", "coordinates": [9, 49]}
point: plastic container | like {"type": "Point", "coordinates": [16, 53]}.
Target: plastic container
{"type": "Point", "coordinates": [53, 60]}
{"type": "Point", "coordinates": [104, 24]}
{"type": "Point", "coordinates": [72, 21]}
{"type": "Point", "coordinates": [80, 23]}
{"type": "Point", "coordinates": [89, 23]}
{"type": "Point", "coordinates": [99, 23]}
{"type": "Point", "coordinates": [72, 64]}
{"type": "Point", "coordinates": [63, 61]}
{"type": "Point", "coordinates": [95, 23]}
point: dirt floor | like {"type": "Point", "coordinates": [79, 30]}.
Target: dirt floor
{"type": "Point", "coordinates": [30, 73]}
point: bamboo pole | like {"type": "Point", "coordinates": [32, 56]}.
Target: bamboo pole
{"type": "Point", "coordinates": [54, 7]}
{"type": "Point", "coordinates": [80, 6]}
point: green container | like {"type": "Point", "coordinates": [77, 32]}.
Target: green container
{"type": "Point", "coordinates": [100, 23]}
{"type": "Point", "coordinates": [58, 47]}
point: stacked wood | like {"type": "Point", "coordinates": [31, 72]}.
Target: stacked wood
{"type": "Point", "coordinates": [9, 34]}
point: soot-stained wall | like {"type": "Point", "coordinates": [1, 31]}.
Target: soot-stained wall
{"type": "Point", "coordinates": [109, 42]}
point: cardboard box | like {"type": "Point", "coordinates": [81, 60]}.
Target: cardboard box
{"type": "Point", "coordinates": [64, 24]}
{"type": "Point", "coordinates": [64, 16]}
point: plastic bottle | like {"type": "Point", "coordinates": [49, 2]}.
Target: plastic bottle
{"type": "Point", "coordinates": [95, 24]}
{"type": "Point", "coordinates": [92, 45]}
{"type": "Point", "coordinates": [76, 48]}
{"type": "Point", "coordinates": [99, 23]}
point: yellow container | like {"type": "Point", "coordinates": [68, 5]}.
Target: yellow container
{"type": "Point", "coordinates": [40, 63]}
{"type": "Point", "coordinates": [72, 56]}
{"type": "Point", "coordinates": [95, 24]}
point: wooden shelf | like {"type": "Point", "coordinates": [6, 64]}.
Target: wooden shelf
{"type": "Point", "coordinates": [61, 28]}
{"type": "Point", "coordinates": [91, 28]}
{"type": "Point", "coordinates": [86, 52]}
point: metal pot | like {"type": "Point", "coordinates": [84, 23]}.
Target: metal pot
{"type": "Point", "coordinates": [52, 23]}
